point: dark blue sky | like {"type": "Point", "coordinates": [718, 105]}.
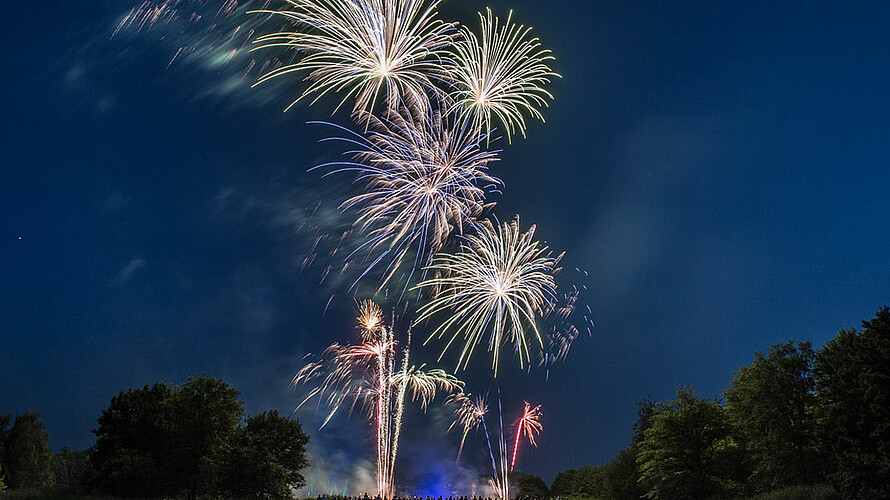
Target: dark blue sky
{"type": "Point", "coordinates": [720, 170]}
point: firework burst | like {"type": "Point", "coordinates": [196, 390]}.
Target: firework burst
{"type": "Point", "coordinates": [425, 176]}
{"type": "Point", "coordinates": [371, 50]}
{"type": "Point", "coordinates": [468, 414]}
{"type": "Point", "coordinates": [498, 284]}
{"type": "Point", "coordinates": [428, 96]}
{"type": "Point", "coordinates": [501, 74]}
{"type": "Point", "coordinates": [370, 319]}
{"type": "Point", "coordinates": [347, 375]}
{"type": "Point", "coordinates": [529, 425]}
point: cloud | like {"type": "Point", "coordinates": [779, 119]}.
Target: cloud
{"type": "Point", "coordinates": [124, 275]}
{"type": "Point", "coordinates": [635, 227]}
{"type": "Point", "coordinates": [115, 202]}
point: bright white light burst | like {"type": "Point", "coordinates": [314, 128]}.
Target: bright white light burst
{"type": "Point", "coordinates": [373, 50]}
{"type": "Point", "coordinates": [497, 285]}
{"type": "Point", "coordinates": [502, 73]}
{"type": "Point", "coordinates": [425, 176]}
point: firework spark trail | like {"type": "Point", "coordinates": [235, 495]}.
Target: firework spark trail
{"type": "Point", "coordinates": [339, 370]}
{"type": "Point", "coordinates": [482, 409]}
{"type": "Point", "coordinates": [362, 48]}
{"type": "Point", "coordinates": [423, 385]}
{"type": "Point", "coordinates": [529, 424]}
{"type": "Point", "coordinates": [424, 176]}
{"type": "Point", "coordinates": [384, 370]}
{"type": "Point", "coordinates": [502, 73]}
{"type": "Point", "coordinates": [500, 481]}
{"type": "Point", "coordinates": [366, 372]}
{"type": "Point", "coordinates": [564, 320]}
{"type": "Point", "coordinates": [209, 35]}
{"type": "Point", "coordinates": [401, 383]}
{"type": "Point", "coordinates": [147, 14]}
{"type": "Point", "coordinates": [498, 284]}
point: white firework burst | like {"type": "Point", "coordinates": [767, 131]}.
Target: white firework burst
{"type": "Point", "coordinates": [501, 74]}
{"type": "Point", "coordinates": [498, 284]}
{"type": "Point", "coordinates": [370, 50]}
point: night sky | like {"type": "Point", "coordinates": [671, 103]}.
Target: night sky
{"type": "Point", "coordinates": [720, 171]}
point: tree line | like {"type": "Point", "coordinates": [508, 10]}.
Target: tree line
{"type": "Point", "coordinates": [806, 422]}
{"type": "Point", "coordinates": [190, 441]}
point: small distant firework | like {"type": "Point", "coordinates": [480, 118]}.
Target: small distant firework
{"type": "Point", "coordinates": [370, 318]}
{"type": "Point", "coordinates": [565, 320]}
{"type": "Point", "coordinates": [373, 50]}
{"type": "Point", "coordinates": [469, 415]}
{"type": "Point", "coordinates": [501, 73]}
{"type": "Point", "coordinates": [425, 176]}
{"type": "Point", "coordinates": [529, 425]}
{"type": "Point", "coordinates": [498, 284]}
{"type": "Point", "coordinates": [347, 375]}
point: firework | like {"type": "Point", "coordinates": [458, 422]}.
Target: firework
{"type": "Point", "coordinates": [210, 38]}
{"type": "Point", "coordinates": [337, 379]}
{"type": "Point", "coordinates": [529, 424]}
{"type": "Point", "coordinates": [470, 414]}
{"type": "Point", "coordinates": [347, 375]}
{"type": "Point", "coordinates": [497, 284]}
{"type": "Point", "coordinates": [370, 318]}
{"type": "Point", "coordinates": [363, 48]}
{"type": "Point", "coordinates": [425, 176]}
{"type": "Point", "coordinates": [501, 73]}
{"type": "Point", "coordinates": [500, 481]}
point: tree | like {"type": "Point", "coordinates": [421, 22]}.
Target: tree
{"type": "Point", "coordinates": [186, 440]}
{"type": "Point", "coordinates": [528, 486]}
{"type": "Point", "coordinates": [27, 454]}
{"type": "Point", "coordinates": [621, 477]}
{"type": "Point", "coordinates": [772, 402]}
{"type": "Point", "coordinates": [853, 385]}
{"type": "Point", "coordinates": [564, 484]}
{"type": "Point", "coordinates": [689, 451]}
{"type": "Point", "coordinates": [165, 440]}
{"type": "Point", "coordinates": [5, 421]}
{"type": "Point", "coordinates": [205, 415]}
{"type": "Point", "coordinates": [645, 411]}
{"type": "Point", "coordinates": [133, 443]}
{"type": "Point", "coordinates": [590, 481]}
{"type": "Point", "coordinates": [266, 458]}
{"type": "Point", "coordinates": [69, 469]}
